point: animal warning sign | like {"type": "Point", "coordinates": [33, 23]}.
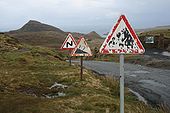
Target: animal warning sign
{"type": "Point", "coordinates": [82, 49]}
{"type": "Point", "coordinates": [69, 43]}
{"type": "Point", "coordinates": [122, 39]}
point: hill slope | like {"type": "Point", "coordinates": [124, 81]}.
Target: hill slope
{"type": "Point", "coordinates": [36, 80]}
{"type": "Point", "coordinates": [35, 26]}
{"type": "Point", "coordinates": [157, 32]}
{"type": "Point", "coordinates": [154, 29]}
{"type": "Point", "coordinates": [93, 35]}
{"type": "Point", "coordinates": [36, 33]}
{"type": "Point", "coordinates": [94, 40]}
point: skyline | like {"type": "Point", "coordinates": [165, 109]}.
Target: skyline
{"type": "Point", "coordinates": [83, 15]}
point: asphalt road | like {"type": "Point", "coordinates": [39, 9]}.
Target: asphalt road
{"type": "Point", "coordinates": [151, 83]}
{"type": "Point", "coordinates": [158, 54]}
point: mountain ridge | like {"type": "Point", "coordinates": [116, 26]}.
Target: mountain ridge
{"type": "Point", "coordinates": [36, 26]}
{"type": "Point", "coordinates": [37, 33]}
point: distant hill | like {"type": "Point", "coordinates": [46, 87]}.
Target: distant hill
{"type": "Point", "coordinates": [93, 35]}
{"type": "Point", "coordinates": [37, 33]}
{"type": "Point", "coordinates": [94, 39]}
{"type": "Point", "coordinates": [156, 31]}
{"type": "Point", "coordinates": [76, 35]}
{"type": "Point", "coordinates": [163, 27]}
{"type": "Point", "coordinates": [153, 29]}
{"type": "Point", "coordinates": [35, 26]}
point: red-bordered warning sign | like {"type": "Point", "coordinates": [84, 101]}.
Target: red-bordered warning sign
{"type": "Point", "coordinates": [69, 43]}
{"type": "Point", "coordinates": [122, 39]}
{"type": "Point", "coordinates": [82, 49]}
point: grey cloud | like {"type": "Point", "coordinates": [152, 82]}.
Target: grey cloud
{"type": "Point", "coordinates": [83, 15]}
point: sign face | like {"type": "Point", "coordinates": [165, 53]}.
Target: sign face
{"type": "Point", "coordinates": [69, 43]}
{"type": "Point", "coordinates": [82, 49]}
{"type": "Point", "coordinates": [149, 40]}
{"type": "Point", "coordinates": [122, 40]}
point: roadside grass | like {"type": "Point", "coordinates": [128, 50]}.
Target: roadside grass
{"type": "Point", "coordinates": [27, 73]}
{"type": "Point", "coordinates": [136, 59]}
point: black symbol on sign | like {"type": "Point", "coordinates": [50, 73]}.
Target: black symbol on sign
{"type": "Point", "coordinates": [112, 42]}
{"type": "Point", "coordinates": [69, 44]}
{"type": "Point", "coordinates": [122, 38]}
{"type": "Point", "coordinates": [80, 49]}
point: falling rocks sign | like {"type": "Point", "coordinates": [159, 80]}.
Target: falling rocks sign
{"type": "Point", "coordinates": [122, 40]}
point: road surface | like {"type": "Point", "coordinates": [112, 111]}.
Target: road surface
{"type": "Point", "coordinates": [151, 83]}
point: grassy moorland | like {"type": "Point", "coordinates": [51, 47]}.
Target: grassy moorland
{"type": "Point", "coordinates": [165, 32]}
{"type": "Point", "coordinates": [27, 74]}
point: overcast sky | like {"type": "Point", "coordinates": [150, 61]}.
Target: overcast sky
{"type": "Point", "coordinates": [84, 15]}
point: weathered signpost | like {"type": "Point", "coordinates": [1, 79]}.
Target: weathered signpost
{"type": "Point", "coordinates": [122, 40]}
{"type": "Point", "coordinates": [69, 44]}
{"type": "Point", "coordinates": [82, 49]}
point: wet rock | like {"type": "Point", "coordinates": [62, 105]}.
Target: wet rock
{"type": "Point", "coordinates": [54, 95]}
{"type": "Point", "coordinates": [57, 85]}
{"type": "Point", "coordinates": [56, 90]}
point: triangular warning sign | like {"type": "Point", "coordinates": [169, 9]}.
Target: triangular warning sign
{"type": "Point", "coordinates": [122, 40]}
{"type": "Point", "coordinates": [82, 49]}
{"type": "Point", "coordinates": [69, 43]}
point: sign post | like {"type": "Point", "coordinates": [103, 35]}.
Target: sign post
{"type": "Point", "coordinates": [81, 72]}
{"type": "Point", "coordinates": [122, 40]}
{"type": "Point", "coordinates": [69, 44]}
{"type": "Point", "coordinates": [81, 49]}
{"type": "Point", "coordinates": [69, 57]}
{"type": "Point", "coordinates": [121, 83]}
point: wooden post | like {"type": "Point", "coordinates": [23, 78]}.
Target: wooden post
{"type": "Point", "coordinates": [70, 57]}
{"type": "Point", "coordinates": [81, 72]}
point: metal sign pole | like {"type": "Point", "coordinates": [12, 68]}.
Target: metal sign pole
{"type": "Point", "coordinates": [81, 72]}
{"type": "Point", "coordinates": [70, 57]}
{"type": "Point", "coordinates": [121, 83]}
